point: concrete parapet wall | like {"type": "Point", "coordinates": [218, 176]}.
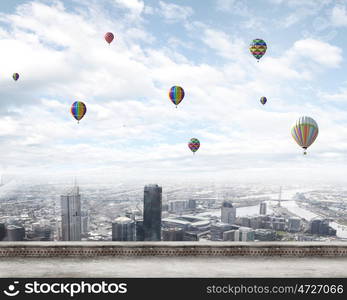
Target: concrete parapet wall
{"type": "Point", "coordinates": [90, 249]}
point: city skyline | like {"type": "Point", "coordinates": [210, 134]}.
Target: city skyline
{"type": "Point", "coordinates": [176, 213]}
{"type": "Point", "coordinates": [131, 128]}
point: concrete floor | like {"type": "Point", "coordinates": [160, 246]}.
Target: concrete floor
{"type": "Point", "coordinates": [174, 267]}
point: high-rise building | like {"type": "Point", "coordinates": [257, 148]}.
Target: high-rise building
{"type": "Point", "coordinates": [123, 229]}
{"type": "Point", "coordinates": [173, 234]}
{"type": "Point", "coordinates": [15, 233]}
{"type": "Point", "coordinates": [321, 227]}
{"type": "Point", "coordinates": [139, 231]}
{"type": "Point", "coordinates": [228, 212]}
{"type": "Point", "coordinates": [71, 215]}
{"type": "Point", "coordinates": [262, 209]}
{"type": "Point", "coordinates": [152, 212]}
{"type": "Point", "coordinates": [2, 231]}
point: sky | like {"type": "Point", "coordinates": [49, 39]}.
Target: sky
{"type": "Point", "coordinates": [131, 129]}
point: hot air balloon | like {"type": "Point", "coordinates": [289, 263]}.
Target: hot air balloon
{"type": "Point", "coordinates": [258, 48]}
{"type": "Point", "coordinates": [194, 145]}
{"type": "Point", "coordinates": [176, 94]}
{"type": "Point", "coordinates": [263, 100]}
{"type": "Point", "coordinates": [78, 110]}
{"type": "Point", "coordinates": [15, 76]}
{"type": "Point", "coordinates": [109, 37]}
{"type": "Point", "coordinates": [304, 132]}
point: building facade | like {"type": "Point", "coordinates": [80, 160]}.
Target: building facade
{"type": "Point", "coordinates": [71, 215]}
{"type": "Point", "coordinates": [152, 212]}
{"type": "Point", "coordinates": [123, 229]}
{"type": "Point", "coordinates": [228, 213]}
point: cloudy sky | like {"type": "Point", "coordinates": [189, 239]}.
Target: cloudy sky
{"type": "Point", "coordinates": [131, 129]}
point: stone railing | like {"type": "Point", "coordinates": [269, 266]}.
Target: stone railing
{"type": "Point", "coordinates": [90, 249]}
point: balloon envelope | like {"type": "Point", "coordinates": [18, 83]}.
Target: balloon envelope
{"type": "Point", "coordinates": [258, 48]}
{"type": "Point", "coordinates": [194, 144]}
{"type": "Point", "coordinates": [109, 37]}
{"type": "Point", "coordinates": [15, 76]}
{"type": "Point", "coordinates": [78, 110]}
{"type": "Point", "coordinates": [263, 100]}
{"type": "Point", "coordinates": [305, 131]}
{"type": "Point", "coordinates": [176, 94]}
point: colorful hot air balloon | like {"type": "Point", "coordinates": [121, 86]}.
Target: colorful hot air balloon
{"type": "Point", "coordinates": [304, 132]}
{"type": "Point", "coordinates": [15, 76]}
{"type": "Point", "coordinates": [194, 145]}
{"type": "Point", "coordinates": [176, 94]}
{"type": "Point", "coordinates": [78, 110]}
{"type": "Point", "coordinates": [263, 100]}
{"type": "Point", "coordinates": [258, 48]}
{"type": "Point", "coordinates": [109, 37]}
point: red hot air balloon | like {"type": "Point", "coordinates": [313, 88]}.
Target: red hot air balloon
{"type": "Point", "coordinates": [109, 37]}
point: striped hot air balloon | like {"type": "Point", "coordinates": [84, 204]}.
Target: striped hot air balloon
{"type": "Point", "coordinates": [263, 100]}
{"type": "Point", "coordinates": [78, 110]}
{"type": "Point", "coordinates": [194, 145]}
{"type": "Point", "coordinates": [305, 132]}
{"type": "Point", "coordinates": [109, 37]}
{"type": "Point", "coordinates": [176, 94]}
{"type": "Point", "coordinates": [258, 48]}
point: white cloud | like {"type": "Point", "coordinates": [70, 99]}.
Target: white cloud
{"type": "Point", "coordinates": [339, 15]}
{"type": "Point", "coordinates": [320, 52]}
{"type": "Point", "coordinates": [136, 7]}
{"type": "Point", "coordinates": [173, 12]}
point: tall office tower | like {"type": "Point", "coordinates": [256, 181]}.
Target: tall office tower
{"type": "Point", "coordinates": [152, 212]}
{"type": "Point", "coordinates": [123, 229]}
{"type": "Point", "coordinates": [15, 233]}
{"type": "Point", "coordinates": [140, 235]}
{"type": "Point", "coordinates": [262, 210]}
{"type": "Point", "coordinates": [173, 234]}
{"type": "Point", "coordinates": [71, 215]}
{"type": "Point", "coordinates": [2, 231]}
{"type": "Point", "coordinates": [228, 213]}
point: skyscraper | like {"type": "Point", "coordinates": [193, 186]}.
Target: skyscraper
{"type": "Point", "coordinates": [71, 215]}
{"type": "Point", "coordinates": [228, 212]}
{"type": "Point", "coordinates": [123, 229]}
{"type": "Point", "coordinates": [262, 209]}
{"type": "Point", "coordinates": [152, 212]}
